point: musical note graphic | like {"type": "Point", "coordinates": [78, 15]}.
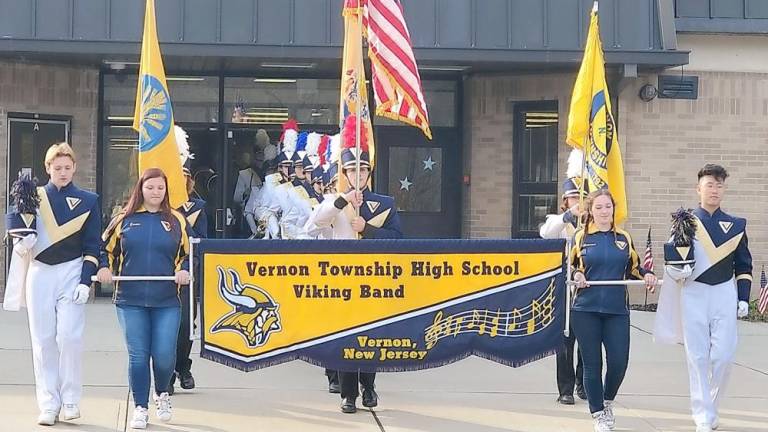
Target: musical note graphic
{"type": "Point", "coordinates": [515, 323]}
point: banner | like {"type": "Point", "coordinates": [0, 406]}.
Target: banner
{"type": "Point", "coordinates": [375, 305]}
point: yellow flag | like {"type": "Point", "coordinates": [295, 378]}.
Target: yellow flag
{"type": "Point", "coordinates": [353, 87]}
{"type": "Point", "coordinates": [591, 127]}
{"type": "Point", "coordinates": [153, 116]}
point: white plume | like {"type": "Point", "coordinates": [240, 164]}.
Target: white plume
{"type": "Point", "coordinates": [575, 163]}
{"type": "Point", "coordinates": [182, 144]}
{"type": "Point", "coordinates": [313, 143]}
{"type": "Point", "coordinates": [289, 140]}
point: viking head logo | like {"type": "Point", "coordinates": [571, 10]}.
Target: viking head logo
{"type": "Point", "coordinates": [255, 314]}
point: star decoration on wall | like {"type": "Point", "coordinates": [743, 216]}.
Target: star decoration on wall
{"type": "Point", "coordinates": [405, 184]}
{"type": "Point", "coordinates": [428, 164]}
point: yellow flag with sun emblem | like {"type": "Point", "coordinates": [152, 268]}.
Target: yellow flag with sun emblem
{"type": "Point", "coordinates": [591, 125]}
{"type": "Point", "coordinates": [153, 117]}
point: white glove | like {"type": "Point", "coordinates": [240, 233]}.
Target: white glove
{"type": "Point", "coordinates": [24, 244]}
{"type": "Point", "coordinates": [743, 309]}
{"type": "Point", "coordinates": [82, 292]}
{"type": "Point", "coordinates": [678, 273]}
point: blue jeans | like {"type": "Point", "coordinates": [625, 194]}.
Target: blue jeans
{"type": "Point", "coordinates": [150, 333]}
{"type": "Point", "coordinates": [593, 331]}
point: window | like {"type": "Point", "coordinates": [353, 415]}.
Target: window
{"type": "Point", "coordinates": [274, 100]}
{"type": "Point", "coordinates": [536, 175]}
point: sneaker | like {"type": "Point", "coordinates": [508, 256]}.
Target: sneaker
{"type": "Point", "coordinates": [140, 418]}
{"type": "Point", "coordinates": [601, 422]}
{"type": "Point", "coordinates": [704, 428]}
{"type": "Point", "coordinates": [608, 410]}
{"type": "Point", "coordinates": [163, 406]}
{"type": "Point", "coordinates": [70, 412]}
{"type": "Point", "coordinates": [47, 418]}
{"type": "Point", "coordinates": [186, 380]}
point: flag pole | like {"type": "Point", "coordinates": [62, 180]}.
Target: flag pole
{"type": "Point", "coordinates": [360, 76]}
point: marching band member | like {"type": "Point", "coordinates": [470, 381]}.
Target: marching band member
{"type": "Point", "coordinates": [600, 314]}
{"type": "Point", "coordinates": [197, 219]}
{"type": "Point", "coordinates": [563, 226]}
{"type": "Point", "coordinates": [148, 239]}
{"type": "Point", "coordinates": [262, 223]}
{"type": "Point", "coordinates": [377, 219]}
{"type": "Point", "coordinates": [715, 292]}
{"type": "Point", "coordinates": [276, 185]}
{"type": "Point", "coordinates": [58, 283]}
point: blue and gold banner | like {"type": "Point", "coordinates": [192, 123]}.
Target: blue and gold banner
{"type": "Point", "coordinates": [378, 305]}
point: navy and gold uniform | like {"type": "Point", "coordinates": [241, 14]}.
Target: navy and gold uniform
{"type": "Point", "coordinates": [601, 256]}
{"type": "Point", "coordinates": [335, 215]}
{"type": "Point", "coordinates": [721, 277]}
{"type": "Point", "coordinates": [600, 314]}
{"type": "Point", "coordinates": [194, 212]}
{"type": "Point", "coordinates": [64, 257]}
{"type": "Point", "coordinates": [69, 228]}
{"type": "Point", "coordinates": [146, 244]}
{"type": "Point", "coordinates": [723, 251]}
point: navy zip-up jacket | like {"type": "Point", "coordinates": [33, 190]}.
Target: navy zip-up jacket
{"type": "Point", "coordinates": [143, 244]}
{"type": "Point", "coordinates": [602, 256]}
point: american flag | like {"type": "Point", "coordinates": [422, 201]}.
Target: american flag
{"type": "Point", "coordinates": [648, 259]}
{"type": "Point", "coordinates": [762, 303]}
{"type": "Point", "coordinates": [395, 76]}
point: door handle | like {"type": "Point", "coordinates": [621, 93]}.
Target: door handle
{"type": "Point", "coordinates": [219, 219]}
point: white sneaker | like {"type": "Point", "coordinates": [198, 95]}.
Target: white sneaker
{"type": "Point", "coordinates": [601, 422]}
{"type": "Point", "coordinates": [704, 428]}
{"type": "Point", "coordinates": [70, 412]}
{"type": "Point", "coordinates": [610, 419]}
{"type": "Point", "coordinates": [163, 406]}
{"type": "Point", "coordinates": [47, 418]}
{"type": "Point", "coordinates": [140, 418]}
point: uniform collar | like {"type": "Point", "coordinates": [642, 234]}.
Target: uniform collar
{"type": "Point", "coordinates": [592, 229]}
{"type": "Point", "coordinates": [143, 209]}
{"type": "Point", "coordinates": [703, 214]}
{"type": "Point", "coordinates": [52, 187]}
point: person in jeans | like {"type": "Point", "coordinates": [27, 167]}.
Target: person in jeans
{"type": "Point", "coordinates": [148, 239]}
{"type": "Point", "coordinates": [600, 314]}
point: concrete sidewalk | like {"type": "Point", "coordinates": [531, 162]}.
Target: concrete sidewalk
{"type": "Point", "coordinates": [471, 395]}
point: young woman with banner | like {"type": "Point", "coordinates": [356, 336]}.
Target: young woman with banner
{"type": "Point", "coordinates": [148, 239]}
{"type": "Point", "coordinates": [600, 314]}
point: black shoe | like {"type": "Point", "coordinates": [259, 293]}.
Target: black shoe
{"type": "Point", "coordinates": [171, 389]}
{"type": "Point", "coordinates": [187, 380]}
{"type": "Point", "coordinates": [334, 387]}
{"type": "Point", "coordinates": [370, 398]}
{"type": "Point", "coordinates": [581, 393]}
{"type": "Point", "coordinates": [348, 406]}
{"type": "Point", "coordinates": [566, 400]}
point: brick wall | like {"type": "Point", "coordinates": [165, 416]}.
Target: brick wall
{"type": "Point", "coordinates": [664, 143]}
{"type": "Point", "coordinates": [667, 141]}
{"type": "Point", "coordinates": [54, 90]}
{"type": "Point", "coordinates": [488, 142]}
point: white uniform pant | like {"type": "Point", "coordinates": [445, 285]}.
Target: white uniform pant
{"type": "Point", "coordinates": [710, 334]}
{"type": "Point", "coordinates": [56, 328]}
